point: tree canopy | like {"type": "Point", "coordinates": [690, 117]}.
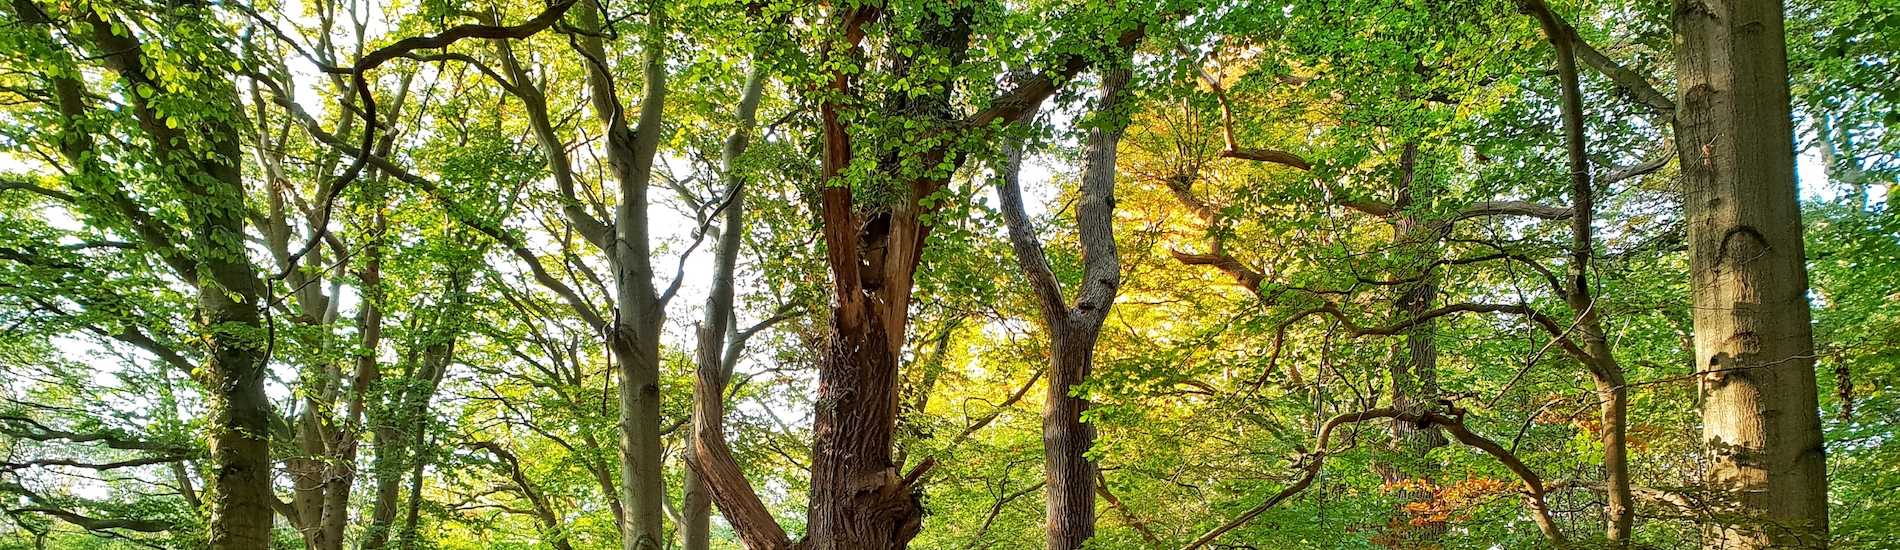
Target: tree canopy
{"type": "Point", "coordinates": [1188, 274]}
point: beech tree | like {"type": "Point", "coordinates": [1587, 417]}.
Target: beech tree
{"type": "Point", "coordinates": [714, 275]}
{"type": "Point", "coordinates": [1754, 346]}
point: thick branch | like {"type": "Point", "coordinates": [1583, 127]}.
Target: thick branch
{"type": "Point", "coordinates": [1267, 155]}
{"type": "Point", "coordinates": [1018, 102]}
{"type": "Point", "coordinates": [1514, 208]}
{"type": "Point", "coordinates": [40, 432]}
{"type": "Point", "coordinates": [1638, 86]}
{"type": "Point", "coordinates": [1644, 168]}
{"type": "Point", "coordinates": [42, 191]}
{"type": "Point", "coordinates": [95, 524]}
{"type": "Point", "coordinates": [1534, 485]}
{"type": "Point", "coordinates": [547, 18]}
{"type": "Point", "coordinates": [148, 461]}
{"type": "Point", "coordinates": [1023, 240]}
{"type": "Point", "coordinates": [1677, 502]}
{"type": "Point", "coordinates": [1240, 272]}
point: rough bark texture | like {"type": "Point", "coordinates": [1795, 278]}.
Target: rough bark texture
{"type": "Point", "coordinates": [1754, 346]}
{"type": "Point", "coordinates": [858, 500]}
{"type": "Point", "coordinates": [1073, 331]}
{"type": "Point", "coordinates": [240, 411]}
{"type": "Point", "coordinates": [1414, 369]}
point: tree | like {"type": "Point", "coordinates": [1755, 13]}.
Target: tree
{"type": "Point", "coordinates": [1073, 331]}
{"type": "Point", "coordinates": [1754, 345]}
{"type": "Point", "coordinates": [182, 142]}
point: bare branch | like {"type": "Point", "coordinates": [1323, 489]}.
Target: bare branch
{"type": "Point", "coordinates": [1514, 208]}
{"type": "Point", "coordinates": [1644, 168]}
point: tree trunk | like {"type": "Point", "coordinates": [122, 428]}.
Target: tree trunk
{"type": "Point", "coordinates": [1754, 347]}
{"type": "Point", "coordinates": [1414, 370]}
{"type": "Point", "coordinates": [858, 500]}
{"type": "Point", "coordinates": [240, 425]}
{"type": "Point", "coordinates": [1073, 331]}
{"type": "Point", "coordinates": [230, 309]}
{"type": "Point", "coordinates": [341, 473]}
{"type": "Point", "coordinates": [1595, 352]}
{"type": "Point", "coordinates": [229, 312]}
{"type": "Point", "coordinates": [633, 335]}
{"type": "Point", "coordinates": [399, 425]}
{"type": "Point", "coordinates": [1614, 410]}
{"type": "Point", "coordinates": [710, 375]}
{"type": "Point", "coordinates": [1066, 439]}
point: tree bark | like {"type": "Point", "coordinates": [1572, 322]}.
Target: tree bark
{"type": "Point", "coordinates": [1414, 370]}
{"type": "Point", "coordinates": [857, 499]}
{"type": "Point", "coordinates": [1595, 352]}
{"type": "Point", "coordinates": [1073, 331]}
{"type": "Point", "coordinates": [633, 335]}
{"type": "Point", "coordinates": [711, 374]}
{"type": "Point", "coordinates": [1754, 347]}
{"type": "Point", "coordinates": [229, 298]}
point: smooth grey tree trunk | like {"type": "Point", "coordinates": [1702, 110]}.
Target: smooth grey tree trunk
{"type": "Point", "coordinates": [713, 371]}
{"type": "Point", "coordinates": [1748, 274]}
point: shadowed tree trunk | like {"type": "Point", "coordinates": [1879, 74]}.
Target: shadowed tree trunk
{"type": "Point", "coordinates": [1748, 273]}
{"type": "Point", "coordinates": [1414, 369]}
{"type": "Point", "coordinates": [208, 254]}
{"type": "Point", "coordinates": [1073, 331]}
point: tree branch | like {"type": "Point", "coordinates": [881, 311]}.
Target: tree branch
{"type": "Point", "coordinates": [1514, 208]}
{"type": "Point", "coordinates": [1018, 102]}
{"type": "Point", "coordinates": [1313, 463]}
{"type": "Point", "coordinates": [1638, 86]}
{"type": "Point", "coordinates": [1023, 240]}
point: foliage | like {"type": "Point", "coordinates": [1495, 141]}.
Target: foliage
{"type": "Point", "coordinates": [426, 315]}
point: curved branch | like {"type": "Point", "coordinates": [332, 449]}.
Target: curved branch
{"type": "Point", "coordinates": [1540, 509]}
{"type": "Point", "coordinates": [1022, 238]}
{"type": "Point", "coordinates": [1643, 168]}
{"type": "Point", "coordinates": [42, 191]}
{"type": "Point", "coordinates": [1240, 272]}
{"type": "Point", "coordinates": [546, 19]}
{"type": "Point", "coordinates": [1638, 86]}
{"type": "Point", "coordinates": [1311, 470]}
{"type": "Point", "coordinates": [1020, 101]}
{"type": "Point", "coordinates": [96, 524]}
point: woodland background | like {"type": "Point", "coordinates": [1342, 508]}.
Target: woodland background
{"type": "Point", "coordinates": [461, 274]}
